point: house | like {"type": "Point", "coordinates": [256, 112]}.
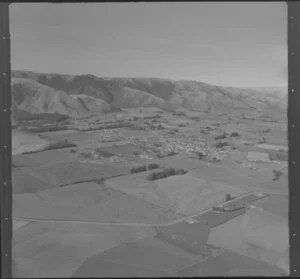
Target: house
{"type": "Point", "coordinates": [258, 156]}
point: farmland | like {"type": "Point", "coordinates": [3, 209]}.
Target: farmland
{"type": "Point", "coordinates": [89, 209]}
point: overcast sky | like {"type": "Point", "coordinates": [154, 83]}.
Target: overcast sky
{"type": "Point", "coordinates": [222, 43]}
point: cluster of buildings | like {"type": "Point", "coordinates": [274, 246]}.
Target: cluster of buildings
{"type": "Point", "coordinates": [165, 145]}
{"type": "Point", "coordinates": [249, 165]}
{"type": "Point", "coordinates": [110, 136]}
{"type": "Point", "coordinates": [218, 154]}
{"type": "Point", "coordinates": [117, 159]}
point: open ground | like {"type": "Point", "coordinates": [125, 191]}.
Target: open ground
{"type": "Point", "coordinates": [80, 210]}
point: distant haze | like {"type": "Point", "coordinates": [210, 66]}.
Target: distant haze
{"type": "Point", "coordinates": [229, 44]}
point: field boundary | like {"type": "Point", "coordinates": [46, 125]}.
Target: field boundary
{"type": "Point", "coordinates": [133, 224]}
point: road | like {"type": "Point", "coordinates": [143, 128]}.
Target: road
{"type": "Point", "coordinates": [132, 224]}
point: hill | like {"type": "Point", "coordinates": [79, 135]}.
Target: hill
{"type": "Point", "coordinates": [31, 97]}
{"type": "Point", "coordinates": [85, 95]}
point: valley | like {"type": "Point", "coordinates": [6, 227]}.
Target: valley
{"type": "Point", "coordinates": [110, 175]}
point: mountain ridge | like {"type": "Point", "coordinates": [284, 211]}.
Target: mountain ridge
{"type": "Point", "coordinates": [59, 93]}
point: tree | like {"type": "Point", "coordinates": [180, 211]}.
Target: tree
{"type": "Point", "coordinates": [200, 155]}
{"type": "Point", "coordinates": [277, 174]}
{"type": "Point", "coordinates": [143, 146]}
{"type": "Point", "coordinates": [228, 197]}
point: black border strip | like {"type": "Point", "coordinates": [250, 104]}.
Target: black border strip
{"type": "Point", "coordinates": [6, 148]}
{"type": "Point", "coordinates": [5, 145]}
{"type": "Point", "coordinates": [294, 131]}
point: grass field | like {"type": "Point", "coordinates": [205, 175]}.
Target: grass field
{"type": "Point", "coordinates": [45, 158]}
{"type": "Point", "coordinates": [76, 192]}
{"type": "Point", "coordinates": [66, 173]}
{"type": "Point", "coordinates": [23, 182]}
{"type": "Point", "coordinates": [230, 264]}
{"type": "Point", "coordinates": [196, 231]}
{"type": "Point", "coordinates": [103, 269]}
{"type": "Point", "coordinates": [236, 175]}
{"type": "Point", "coordinates": [279, 186]}
{"type": "Point", "coordinates": [188, 195]}
{"type": "Point", "coordinates": [213, 219]}
{"type": "Point", "coordinates": [272, 147]}
{"type": "Point", "coordinates": [89, 202]}
{"type": "Point", "coordinates": [278, 205]}
{"type": "Point", "coordinates": [257, 234]}
{"type": "Point", "coordinates": [184, 194]}
{"type": "Point", "coordinates": [180, 161]}
{"type": "Point", "coordinates": [149, 253]}
{"type": "Point", "coordinates": [189, 237]}
{"type": "Point", "coordinates": [74, 136]}
{"type": "Point", "coordinates": [19, 161]}
{"type": "Point", "coordinates": [18, 224]}
{"type": "Point", "coordinates": [22, 142]}
{"type": "Point", "coordinates": [59, 249]}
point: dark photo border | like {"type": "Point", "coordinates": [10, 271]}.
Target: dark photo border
{"type": "Point", "coordinates": [294, 132]}
{"type": "Point", "coordinates": [293, 10]}
{"type": "Point", "coordinates": [5, 145]}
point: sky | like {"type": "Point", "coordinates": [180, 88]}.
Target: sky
{"type": "Point", "coordinates": [221, 43]}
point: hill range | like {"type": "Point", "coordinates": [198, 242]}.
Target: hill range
{"type": "Point", "coordinates": [86, 95]}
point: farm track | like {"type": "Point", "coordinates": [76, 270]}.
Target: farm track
{"type": "Point", "coordinates": [132, 224]}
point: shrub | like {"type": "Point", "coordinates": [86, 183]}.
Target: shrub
{"type": "Point", "coordinates": [49, 128]}
{"type": "Point", "coordinates": [200, 155]}
{"type": "Point", "coordinates": [165, 173]}
{"type": "Point", "coordinates": [263, 140]}
{"type": "Point", "coordinates": [153, 166]}
{"type": "Point", "coordinates": [153, 176]}
{"type": "Point", "coordinates": [215, 159]}
{"type": "Point", "coordinates": [234, 134]}
{"type": "Point", "coordinates": [157, 144]}
{"type": "Point", "coordinates": [100, 181]}
{"type": "Point", "coordinates": [181, 171]}
{"type": "Point", "coordinates": [171, 153]}
{"type": "Point", "coordinates": [279, 156]}
{"type": "Point", "coordinates": [60, 145]}
{"type": "Point", "coordinates": [277, 174]}
{"type": "Point", "coordinates": [103, 153]}
{"type": "Point", "coordinates": [228, 197]}
{"type": "Point", "coordinates": [144, 168]}
{"type": "Point", "coordinates": [160, 127]}
{"type": "Point", "coordinates": [138, 169]}
{"type": "Point", "coordinates": [266, 131]}
{"type": "Point", "coordinates": [223, 136]}
{"type": "Point", "coordinates": [197, 118]}
{"type": "Point", "coordinates": [221, 144]}
{"type": "Point", "coordinates": [86, 155]}
{"type": "Point", "coordinates": [181, 113]}
{"type": "Point", "coordinates": [51, 146]}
